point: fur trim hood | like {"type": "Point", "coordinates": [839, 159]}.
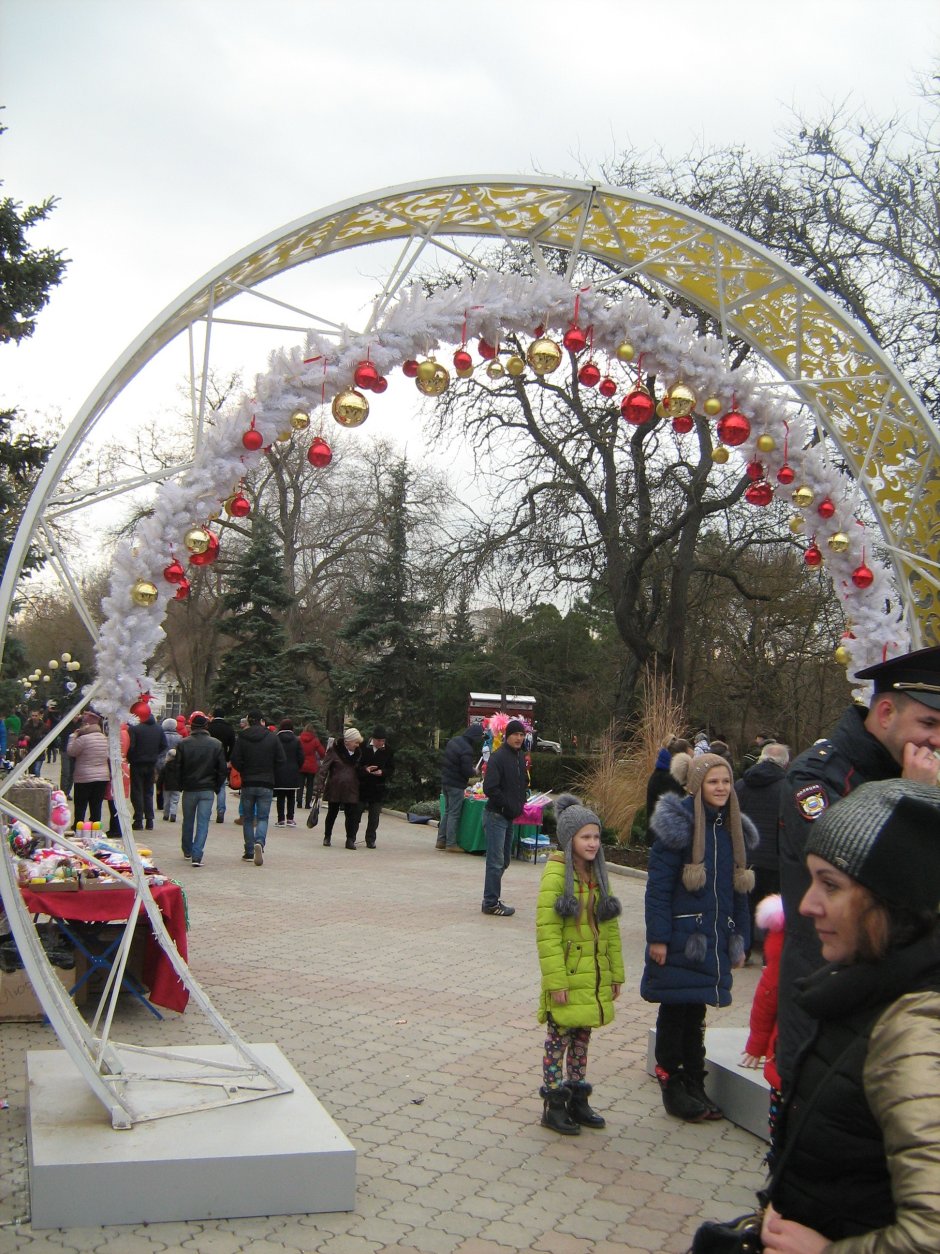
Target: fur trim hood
{"type": "Point", "coordinates": [673, 822]}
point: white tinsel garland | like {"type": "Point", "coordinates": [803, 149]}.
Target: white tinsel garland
{"type": "Point", "coordinates": [421, 324]}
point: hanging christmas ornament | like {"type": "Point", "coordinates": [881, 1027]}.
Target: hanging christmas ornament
{"type": "Point", "coordinates": [495, 369]}
{"type": "Point", "coordinates": [174, 573]}
{"type": "Point", "coordinates": [683, 424]}
{"type": "Point", "coordinates": [825, 508]}
{"type": "Point", "coordinates": [720, 454]}
{"type": "Point", "coordinates": [252, 439]}
{"type": "Point", "coordinates": [380, 385]}
{"type": "Point", "coordinates": [210, 553]}
{"type": "Point", "coordinates": [802, 498]}
{"type": "Point", "coordinates": [464, 374]}
{"type": "Point", "coordinates": [182, 592]}
{"type": "Point", "coordinates": [197, 539]}
{"type": "Point", "coordinates": [862, 575]}
{"type": "Point", "coordinates": [575, 339]}
{"type": "Point", "coordinates": [365, 375]}
{"type": "Point", "coordinates": [319, 453]}
{"type": "Point", "coordinates": [733, 429]}
{"type": "Point", "coordinates": [543, 356]}
{"type": "Point", "coordinates": [661, 410]}
{"type": "Point", "coordinates": [842, 655]}
{"type": "Point", "coordinates": [766, 443]}
{"type": "Point", "coordinates": [515, 366]}
{"type": "Point", "coordinates": [754, 471]}
{"type": "Point", "coordinates": [141, 707]}
{"type": "Point", "coordinates": [409, 368]}
{"type": "Point", "coordinates": [285, 435]}
{"type": "Point", "coordinates": [299, 420]}
{"type": "Point", "coordinates": [462, 360]}
{"type": "Point", "coordinates": [486, 349]}
{"type": "Point", "coordinates": [838, 542]}
{"type": "Point", "coordinates": [712, 407]}
{"type": "Point", "coordinates": [435, 383]}
{"type": "Point", "coordinates": [350, 408]}
{"type": "Point", "coordinates": [637, 406]}
{"type": "Point", "coordinates": [796, 524]}
{"type": "Point", "coordinates": [427, 370]}
{"type": "Point", "coordinates": [759, 494]}
{"type": "Point", "coordinates": [238, 506]}
{"type": "Point", "coordinates": [589, 375]}
{"type": "Point", "coordinates": [786, 474]}
{"type": "Point", "coordinates": [143, 592]}
{"type": "Point", "coordinates": [607, 387]}
{"type": "Point", "coordinates": [813, 555]}
{"type": "Point", "coordinates": [625, 351]}
{"type": "Point", "coordinates": [680, 401]}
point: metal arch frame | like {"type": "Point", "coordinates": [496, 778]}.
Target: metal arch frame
{"type": "Point", "coordinates": [752, 294]}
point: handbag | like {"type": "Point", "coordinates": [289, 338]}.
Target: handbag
{"type": "Point", "coordinates": [313, 818]}
{"type": "Point", "coordinates": [736, 1236]}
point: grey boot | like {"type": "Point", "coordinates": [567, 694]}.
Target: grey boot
{"type": "Point", "coordinates": [555, 1112]}
{"type": "Point", "coordinates": [578, 1108]}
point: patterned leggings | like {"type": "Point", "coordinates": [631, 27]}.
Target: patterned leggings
{"type": "Point", "coordinates": [558, 1040]}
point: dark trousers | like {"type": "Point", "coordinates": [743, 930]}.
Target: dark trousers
{"type": "Point", "coordinates": [142, 791]}
{"type": "Point", "coordinates": [305, 791]}
{"type": "Point", "coordinates": [89, 796]}
{"type": "Point", "coordinates": [374, 810]}
{"type": "Point", "coordinates": [284, 797]}
{"type": "Point", "coordinates": [350, 811]}
{"type": "Point", "coordinates": [766, 882]}
{"type": "Point", "coordinates": [680, 1037]}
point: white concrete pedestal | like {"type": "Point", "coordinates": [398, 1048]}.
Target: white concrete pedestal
{"type": "Point", "coordinates": [280, 1155]}
{"type": "Point", "coordinates": [743, 1094]}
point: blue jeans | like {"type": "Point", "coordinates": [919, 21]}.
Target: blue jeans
{"type": "Point", "coordinates": [256, 806]}
{"type": "Point", "coordinates": [498, 833]}
{"type": "Point", "coordinates": [450, 819]}
{"type": "Point", "coordinates": [197, 810]}
{"type": "Point", "coordinates": [220, 802]}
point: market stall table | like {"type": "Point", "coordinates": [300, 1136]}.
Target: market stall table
{"type": "Point", "coordinates": [470, 831]}
{"type": "Point", "coordinates": [114, 905]}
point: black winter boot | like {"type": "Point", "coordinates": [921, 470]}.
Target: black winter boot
{"type": "Point", "coordinates": [578, 1108]}
{"type": "Point", "coordinates": [555, 1112]}
{"type": "Point", "coordinates": [695, 1083]}
{"type": "Point", "coordinates": [677, 1099]}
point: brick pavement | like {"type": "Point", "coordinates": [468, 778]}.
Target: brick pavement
{"type": "Point", "coordinates": [411, 1016]}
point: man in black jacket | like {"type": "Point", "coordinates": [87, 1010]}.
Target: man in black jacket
{"type": "Point", "coordinates": [147, 743]}
{"type": "Point", "coordinates": [375, 766]}
{"type": "Point", "coordinates": [202, 768]}
{"type": "Point", "coordinates": [506, 784]}
{"type": "Point", "coordinates": [461, 755]}
{"type": "Point", "coordinates": [222, 730]}
{"type": "Point", "coordinates": [759, 798]}
{"type": "Point", "coordinates": [256, 754]}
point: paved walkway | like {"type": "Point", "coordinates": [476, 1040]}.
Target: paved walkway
{"type": "Point", "coordinates": [412, 1017]}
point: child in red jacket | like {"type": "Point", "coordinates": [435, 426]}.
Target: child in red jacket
{"type": "Point", "coordinates": [762, 1040]}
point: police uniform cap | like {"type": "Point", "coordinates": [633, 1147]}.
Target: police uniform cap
{"type": "Point", "coordinates": [916, 675]}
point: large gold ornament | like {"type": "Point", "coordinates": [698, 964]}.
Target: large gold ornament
{"type": "Point", "coordinates": [427, 370]}
{"type": "Point", "coordinates": [662, 410]}
{"type": "Point", "coordinates": [838, 542]}
{"type": "Point", "coordinates": [625, 351]}
{"type": "Point", "coordinates": [350, 408]}
{"type": "Point", "coordinates": [197, 540]}
{"type": "Point", "coordinates": [543, 356]}
{"type": "Point", "coordinates": [802, 498]}
{"type": "Point", "coordinates": [464, 372]}
{"type": "Point", "coordinates": [437, 382]}
{"type": "Point", "coordinates": [144, 592]}
{"type": "Point", "coordinates": [495, 369]}
{"type": "Point", "coordinates": [720, 454]}
{"type": "Point", "coordinates": [299, 420]}
{"type": "Point", "coordinates": [842, 655]}
{"type": "Point", "coordinates": [766, 443]}
{"type": "Point", "coordinates": [681, 401]}
{"type": "Point", "coordinates": [514, 366]}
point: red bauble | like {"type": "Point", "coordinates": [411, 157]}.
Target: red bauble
{"type": "Point", "coordinates": [462, 360]}
{"type": "Point", "coordinates": [862, 576]}
{"type": "Point", "coordinates": [682, 424]}
{"type": "Point", "coordinates": [487, 350]}
{"type": "Point", "coordinates": [540, 330]}
{"type": "Point", "coordinates": [786, 474]}
{"type": "Point", "coordinates": [409, 368]}
{"type": "Point", "coordinates": [575, 339]}
{"type": "Point", "coordinates": [211, 553]}
{"type": "Point", "coordinates": [589, 375]}
{"type": "Point", "coordinates": [759, 494]}
{"type": "Point", "coordinates": [319, 453]}
{"type": "Point", "coordinates": [637, 407]}
{"type": "Point", "coordinates": [239, 506]}
{"type": "Point", "coordinates": [733, 429]}
{"type": "Point", "coordinates": [252, 440]}
{"type": "Point", "coordinates": [365, 375]}
{"type": "Point", "coordinates": [825, 508]}
{"type": "Point", "coordinates": [182, 592]}
{"type": "Point", "coordinates": [141, 707]}
{"type": "Point", "coordinates": [607, 387]}
{"type": "Point", "coordinates": [174, 573]}
{"type": "Point", "coordinates": [380, 385]}
{"type": "Point", "coordinates": [754, 471]}
{"type": "Point", "coordinates": [813, 555]}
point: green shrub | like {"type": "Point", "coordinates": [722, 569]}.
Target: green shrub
{"type": "Point", "coordinates": [425, 809]}
{"type": "Point", "coordinates": [558, 772]}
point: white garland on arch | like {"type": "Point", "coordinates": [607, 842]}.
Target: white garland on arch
{"type": "Point", "coordinates": [420, 324]}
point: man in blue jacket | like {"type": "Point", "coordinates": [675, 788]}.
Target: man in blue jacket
{"type": "Point", "coordinates": [461, 755]}
{"type": "Point", "coordinates": [506, 784]}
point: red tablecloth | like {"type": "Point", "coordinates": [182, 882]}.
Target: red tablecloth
{"type": "Point", "coordinates": [113, 905]}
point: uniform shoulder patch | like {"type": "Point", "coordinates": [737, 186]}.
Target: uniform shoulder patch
{"type": "Point", "coordinates": [811, 801]}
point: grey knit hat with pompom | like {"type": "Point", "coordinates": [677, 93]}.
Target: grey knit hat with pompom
{"type": "Point", "coordinates": [570, 816]}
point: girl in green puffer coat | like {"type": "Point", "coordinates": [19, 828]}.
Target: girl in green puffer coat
{"type": "Point", "coordinates": [578, 940]}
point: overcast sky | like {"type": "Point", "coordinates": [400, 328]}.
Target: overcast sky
{"type": "Point", "coordinates": [175, 132]}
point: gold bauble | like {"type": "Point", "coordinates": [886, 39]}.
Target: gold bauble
{"type": "Point", "coordinates": [796, 524]}
{"type": "Point", "coordinates": [802, 498]}
{"type": "Point", "coordinates": [712, 406]}
{"type": "Point", "coordinates": [543, 356]}
{"type": "Point", "coordinates": [838, 542]}
{"type": "Point", "coordinates": [661, 410]}
{"type": "Point", "coordinates": [350, 408]}
{"type": "Point", "coordinates": [197, 540]}
{"type": "Point", "coordinates": [625, 351]}
{"type": "Point", "coordinates": [285, 435]}
{"type": "Point", "coordinates": [514, 366]}
{"type": "Point", "coordinates": [464, 374]}
{"type": "Point", "coordinates": [842, 655]}
{"type": "Point", "coordinates": [436, 384]}
{"type": "Point", "coordinates": [720, 454]}
{"type": "Point", "coordinates": [681, 401]}
{"type": "Point", "coordinates": [427, 370]}
{"type": "Point", "coordinates": [495, 369]}
{"type": "Point", "coordinates": [144, 592]}
{"type": "Point", "coordinates": [766, 443]}
{"type": "Point", "coordinates": [299, 420]}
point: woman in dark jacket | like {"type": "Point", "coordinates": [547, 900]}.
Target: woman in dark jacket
{"type": "Point", "coordinates": [858, 1159]}
{"type": "Point", "coordinates": [287, 774]}
{"type": "Point", "coordinates": [338, 785]}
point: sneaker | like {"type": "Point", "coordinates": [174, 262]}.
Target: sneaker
{"type": "Point", "coordinates": [137, 826]}
{"type": "Point", "coordinates": [326, 842]}
{"type": "Point", "coordinates": [291, 823]}
{"type": "Point", "coordinates": [499, 909]}
{"type": "Point", "coordinates": [166, 818]}
{"type": "Point", "coordinates": [195, 863]}
{"type": "Point", "coordinates": [149, 825]}
{"type": "Point", "coordinates": [258, 855]}
{"type": "Point", "coordinates": [440, 845]}
{"type": "Point", "coordinates": [370, 844]}
{"type": "Point", "coordinates": [350, 844]}
{"type": "Point", "coordinates": [220, 818]}
{"type": "Point", "coordinates": [248, 857]}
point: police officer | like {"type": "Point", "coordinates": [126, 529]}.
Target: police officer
{"type": "Point", "coordinates": [898, 735]}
